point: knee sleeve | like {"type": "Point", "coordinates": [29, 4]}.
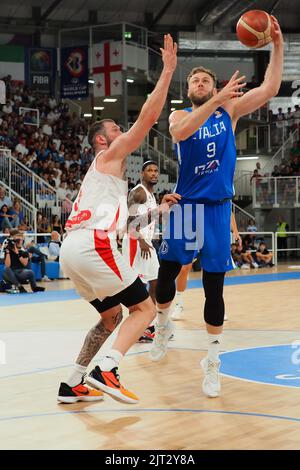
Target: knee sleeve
{"type": "Point", "coordinates": [214, 302]}
{"type": "Point", "coordinates": [166, 288]}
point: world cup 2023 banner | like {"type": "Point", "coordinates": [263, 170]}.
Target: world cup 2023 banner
{"type": "Point", "coordinates": [74, 72]}
{"type": "Point", "coordinates": [40, 69]}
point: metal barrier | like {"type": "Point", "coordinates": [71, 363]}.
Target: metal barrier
{"type": "Point", "coordinates": [276, 236]}
{"type": "Point", "coordinates": [273, 192]}
{"type": "Point", "coordinates": [262, 139]}
{"type": "Point", "coordinates": [265, 235]}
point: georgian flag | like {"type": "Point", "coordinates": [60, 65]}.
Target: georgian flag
{"type": "Point", "coordinates": [107, 68]}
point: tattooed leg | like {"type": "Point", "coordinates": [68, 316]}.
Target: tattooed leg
{"type": "Point", "coordinates": [99, 334]}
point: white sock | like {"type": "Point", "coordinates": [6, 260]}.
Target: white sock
{"type": "Point", "coordinates": [214, 344]}
{"type": "Point", "coordinates": [76, 376]}
{"type": "Point", "coordinates": [162, 316]}
{"type": "Point", "coordinates": [179, 298]}
{"type": "Point", "coordinates": [112, 359]}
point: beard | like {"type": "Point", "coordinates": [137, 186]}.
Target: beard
{"type": "Point", "coordinates": [199, 100]}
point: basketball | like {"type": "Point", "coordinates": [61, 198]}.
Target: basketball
{"type": "Point", "coordinates": [254, 29]}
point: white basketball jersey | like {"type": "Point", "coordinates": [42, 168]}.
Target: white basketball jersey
{"type": "Point", "coordinates": [101, 203]}
{"type": "Point", "coordinates": [150, 204]}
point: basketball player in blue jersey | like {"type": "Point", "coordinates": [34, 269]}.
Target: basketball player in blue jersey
{"type": "Point", "coordinates": [204, 137]}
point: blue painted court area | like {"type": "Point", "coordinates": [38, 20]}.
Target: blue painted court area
{"type": "Point", "coordinates": [7, 300]}
{"type": "Point", "coordinates": [252, 279]}
{"type": "Point", "coordinates": [273, 365]}
{"type": "Point", "coordinates": [70, 294]}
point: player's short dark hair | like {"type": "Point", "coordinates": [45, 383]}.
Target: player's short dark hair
{"type": "Point", "coordinates": [202, 69]}
{"type": "Point", "coordinates": [97, 128]}
{"type": "Point", "coordinates": [147, 163]}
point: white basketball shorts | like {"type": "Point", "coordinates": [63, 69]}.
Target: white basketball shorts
{"type": "Point", "coordinates": [90, 258]}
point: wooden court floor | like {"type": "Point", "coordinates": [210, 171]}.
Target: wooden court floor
{"type": "Point", "coordinates": [42, 339]}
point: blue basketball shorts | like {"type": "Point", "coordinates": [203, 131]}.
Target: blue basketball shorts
{"type": "Point", "coordinates": [191, 228]}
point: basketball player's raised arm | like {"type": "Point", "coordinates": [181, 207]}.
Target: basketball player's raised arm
{"type": "Point", "coordinates": [184, 124]}
{"type": "Point", "coordinates": [152, 108]}
{"type": "Point", "coordinates": [257, 97]}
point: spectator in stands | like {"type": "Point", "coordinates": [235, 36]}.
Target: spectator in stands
{"type": "Point", "coordinates": [16, 262]}
{"type": "Point", "coordinates": [251, 226]}
{"type": "Point", "coordinates": [264, 256]}
{"type": "Point", "coordinates": [21, 147]}
{"type": "Point", "coordinates": [62, 191]}
{"type": "Point", "coordinates": [295, 166]}
{"type": "Point", "coordinates": [37, 257]}
{"type": "Point", "coordinates": [6, 219]}
{"type": "Point", "coordinates": [254, 83]}
{"type": "Point", "coordinates": [282, 228]}
{"type": "Point", "coordinates": [248, 256]}
{"type": "Point", "coordinates": [54, 245]}
{"type": "Point", "coordinates": [25, 225]}
{"type": "Point", "coordinates": [296, 115]}
{"type": "Point", "coordinates": [7, 108]}
{"type": "Point", "coordinates": [56, 225]}
{"type": "Point", "coordinates": [276, 172]}
{"type": "Point", "coordinates": [255, 175]}
{"type": "Point", "coordinates": [47, 129]}
{"type": "Point", "coordinates": [280, 125]}
{"type": "Point", "coordinates": [289, 121]}
{"type": "Point", "coordinates": [236, 255]}
{"type": "Point", "coordinates": [17, 212]}
{"type": "Point", "coordinates": [5, 199]}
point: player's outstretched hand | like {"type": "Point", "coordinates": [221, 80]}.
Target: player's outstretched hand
{"type": "Point", "coordinates": [232, 89]}
{"type": "Point", "coordinates": [171, 199]}
{"type": "Point", "coordinates": [169, 53]}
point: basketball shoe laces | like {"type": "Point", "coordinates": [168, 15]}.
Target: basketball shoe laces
{"type": "Point", "coordinates": [212, 371]}
{"type": "Point", "coordinates": [160, 337]}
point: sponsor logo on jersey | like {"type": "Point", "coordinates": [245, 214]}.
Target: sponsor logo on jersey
{"type": "Point", "coordinates": [209, 167]}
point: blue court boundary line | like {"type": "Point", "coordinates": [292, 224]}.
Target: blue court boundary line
{"type": "Point", "coordinates": [151, 410]}
{"type": "Point", "coordinates": [7, 300]}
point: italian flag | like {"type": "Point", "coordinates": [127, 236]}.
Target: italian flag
{"type": "Point", "coordinates": [12, 62]}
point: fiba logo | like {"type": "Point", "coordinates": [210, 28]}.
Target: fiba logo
{"type": "Point", "coordinates": [164, 247]}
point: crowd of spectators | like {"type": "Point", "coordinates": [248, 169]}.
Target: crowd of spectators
{"type": "Point", "coordinates": [252, 254]}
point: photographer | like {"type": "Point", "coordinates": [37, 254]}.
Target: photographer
{"type": "Point", "coordinates": [16, 261]}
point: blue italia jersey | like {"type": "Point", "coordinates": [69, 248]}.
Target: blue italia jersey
{"type": "Point", "coordinates": [207, 160]}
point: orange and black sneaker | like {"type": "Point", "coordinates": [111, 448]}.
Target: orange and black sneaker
{"type": "Point", "coordinates": [148, 335]}
{"type": "Point", "coordinates": [67, 394]}
{"type": "Point", "coordinates": [109, 382]}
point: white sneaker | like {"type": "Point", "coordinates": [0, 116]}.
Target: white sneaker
{"type": "Point", "coordinates": [177, 313]}
{"type": "Point", "coordinates": [245, 266]}
{"type": "Point", "coordinates": [160, 342]}
{"type": "Point", "coordinates": [255, 265]}
{"type": "Point", "coordinates": [45, 279]}
{"type": "Point", "coordinates": [211, 385]}
{"type": "Point", "coordinates": [225, 317]}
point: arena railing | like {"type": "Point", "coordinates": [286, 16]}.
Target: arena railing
{"type": "Point", "coordinates": [274, 192]}
{"type": "Point", "coordinates": [277, 235]}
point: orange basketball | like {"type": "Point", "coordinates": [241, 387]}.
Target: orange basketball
{"type": "Point", "coordinates": [255, 28]}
